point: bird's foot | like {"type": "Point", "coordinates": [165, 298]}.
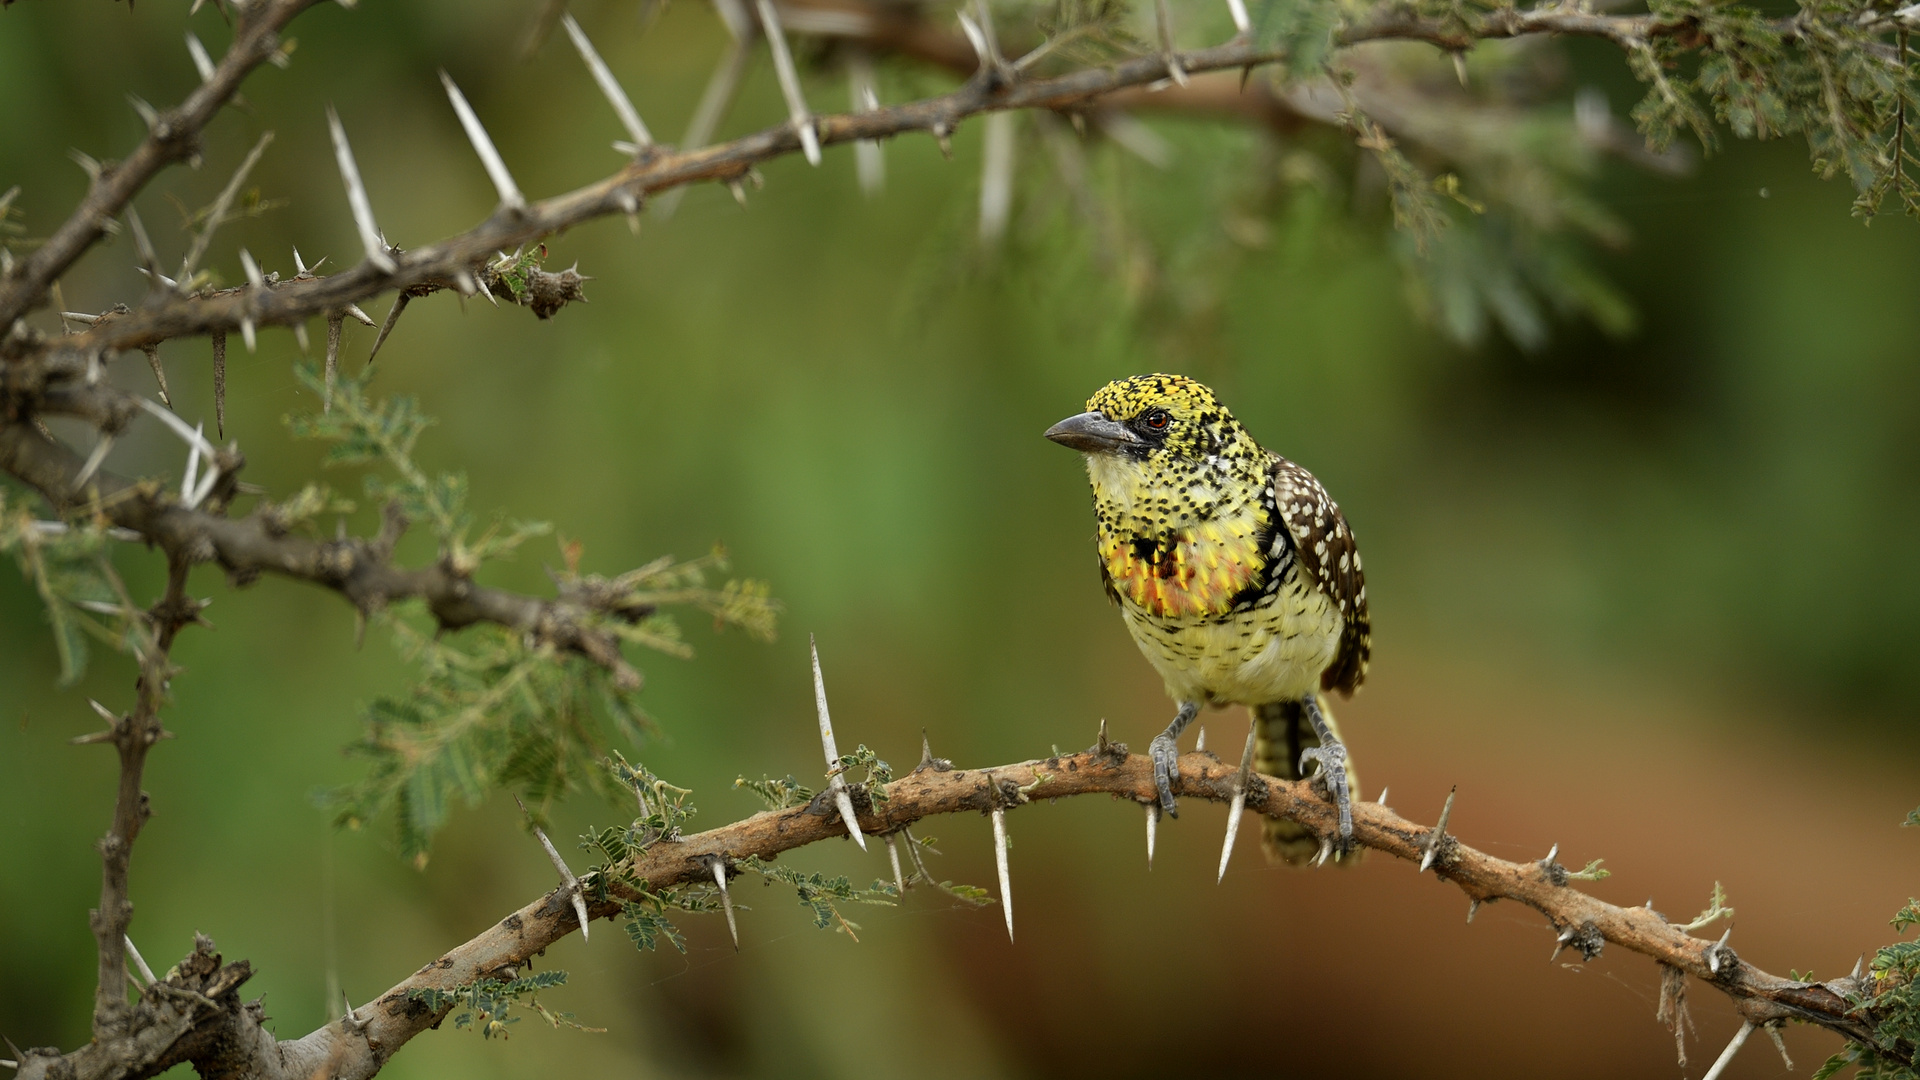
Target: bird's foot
{"type": "Point", "coordinates": [1166, 762]}
{"type": "Point", "coordinates": [1332, 758]}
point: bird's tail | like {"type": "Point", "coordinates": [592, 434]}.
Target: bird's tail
{"type": "Point", "coordinates": [1281, 733]}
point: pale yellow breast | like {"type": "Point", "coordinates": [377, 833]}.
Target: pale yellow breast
{"type": "Point", "coordinates": [1273, 651]}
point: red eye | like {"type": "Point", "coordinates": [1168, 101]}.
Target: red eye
{"type": "Point", "coordinates": [1157, 419]}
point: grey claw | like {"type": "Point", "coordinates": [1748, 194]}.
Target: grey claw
{"type": "Point", "coordinates": [1166, 756]}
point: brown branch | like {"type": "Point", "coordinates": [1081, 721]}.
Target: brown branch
{"type": "Point", "coordinates": [659, 169]}
{"type": "Point", "coordinates": [173, 135]}
{"type": "Point", "coordinates": [360, 569]}
{"type": "Point", "coordinates": [356, 1049]}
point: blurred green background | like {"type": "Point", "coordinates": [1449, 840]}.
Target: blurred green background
{"type": "Point", "coordinates": [1651, 598]}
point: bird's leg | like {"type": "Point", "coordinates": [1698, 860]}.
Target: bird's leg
{"type": "Point", "coordinates": [1166, 754]}
{"type": "Point", "coordinates": [1332, 756]}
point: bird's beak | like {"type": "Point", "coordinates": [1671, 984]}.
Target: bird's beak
{"type": "Point", "coordinates": [1092, 433]}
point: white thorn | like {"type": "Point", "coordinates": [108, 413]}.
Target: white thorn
{"type": "Point", "coordinates": [1382, 799]}
{"type": "Point", "coordinates": [609, 86]}
{"type": "Point", "coordinates": [720, 873]}
{"type": "Point", "coordinates": [147, 113]}
{"type": "Point", "coordinates": [996, 193]}
{"type": "Point", "coordinates": [838, 783]}
{"type": "Point", "coordinates": [1856, 963]}
{"type": "Point", "coordinates": [254, 277]}
{"type": "Point", "coordinates": [300, 337]}
{"type": "Point", "coordinates": [1153, 831]}
{"type": "Point", "coordinates": [510, 196]}
{"type": "Point", "coordinates": [1726, 1056]}
{"type": "Point", "coordinates": [1473, 907]}
{"type": "Point", "coordinates": [1199, 743]}
{"type": "Point", "coordinates": [1238, 806]}
{"type": "Point", "coordinates": [1000, 857]}
{"type": "Point", "coordinates": [1551, 852]}
{"type": "Point", "coordinates": [1326, 849]}
{"type": "Point", "coordinates": [893, 856]}
{"type": "Point", "coordinates": [797, 112]}
{"type": "Point", "coordinates": [202, 63]}
{"type": "Point", "coordinates": [299, 265]}
{"type": "Point", "coordinates": [107, 715]}
{"type": "Point", "coordinates": [977, 38]}
{"type": "Point", "coordinates": [1165, 21]}
{"type": "Point", "coordinates": [357, 198]}
{"type": "Point", "coordinates": [217, 213]}
{"type": "Point", "coordinates": [354, 310]}
{"type": "Point", "coordinates": [139, 961]}
{"type": "Point", "coordinates": [188, 481]}
{"type": "Point", "coordinates": [1240, 20]}
{"type": "Point", "coordinates": [1713, 952]}
{"type": "Point", "coordinates": [93, 460]}
{"type": "Point", "coordinates": [870, 162]}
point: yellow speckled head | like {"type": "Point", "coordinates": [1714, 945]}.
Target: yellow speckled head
{"type": "Point", "coordinates": [1160, 420]}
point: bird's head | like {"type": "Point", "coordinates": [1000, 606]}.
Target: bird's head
{"type": "Point", "coordinates": [1162, 452]}
{"type": "Point", "coordinates": [1154, 419]}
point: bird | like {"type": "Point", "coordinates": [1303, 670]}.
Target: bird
{"type": "Point", "coordinates": [1236, 575]}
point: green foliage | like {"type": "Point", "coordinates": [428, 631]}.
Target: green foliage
{"type": "Point", "coordinates": [781, 794]}
{"type": "Point", "coordinates": [1913, 818]}
{"type": "Point", "coordinates": [1593, 871]}
{"type": "Point", "coordinates": [69, 568]}
{"type": "Point", "coordinates": [495, 707]}
{"type": "Point", "coordinates": [486, 1005]}
{"type": "Point", "coordinates": [822, 894]}
{"type": "Point", "coordinates": [1716, 909]}
{"type": "Point", "coordinates": [1891, 1004]}
{"type": "Point", "coordinates": [489, 710]}
{"type": "Point", "coordinates": [877, 772]}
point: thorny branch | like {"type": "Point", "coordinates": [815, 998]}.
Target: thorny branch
{"type": "Point", "coordinates": [354, 1049]}
{"type": "Point", "coordinates": [172, 135]}
{"type": "Point", "coordinates": [360, 569]}
{"type": "Point", "coordinates": [453, 262]}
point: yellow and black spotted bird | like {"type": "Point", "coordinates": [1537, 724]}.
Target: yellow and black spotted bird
{"type": "Point", "coordinates": [1237, 577]}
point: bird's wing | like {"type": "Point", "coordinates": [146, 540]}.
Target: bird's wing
{"type": "Point", "coordinates": [1331, 561]}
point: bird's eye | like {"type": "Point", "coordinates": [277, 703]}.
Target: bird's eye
{"type": "Point", "coordinates": [1157, 419]}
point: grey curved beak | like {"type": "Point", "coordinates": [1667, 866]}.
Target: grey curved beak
{"type": "Point", "coordinates": [1092, 433]}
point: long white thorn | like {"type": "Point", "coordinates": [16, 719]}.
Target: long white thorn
{"type": "Point", "coordinates": [93, 460]}
{"type": "Point", "coordinates": [139, 961]}
{"type": "Point", "coordinates": [1726, 1056]}
{"type": "Point", "coordinates": [720, 878]}
{"type": "Point", "coordinates": [357, 197]}
{"type": "Point", "coordinates": [510, 196]}
{"type": "Point", "coordinates": [1164, 19]}
{"type": "Point", "coordinates": [1153, 831]}
{"type": "Point", "coordinates": [191, 477]}
{"type": "Point", "coordinates": [721, 86]}
{"type": "Point", "coordinates": [870, 162]}
{"type": "Point", "coordinates": [259, 282]}
{"type": "Point", "coordinates": [1240, 21]}
{"type": "Point", "coordinates": [1000, 861]}
{"type": "Point", "coordinates": [1239, 804]}
{"type": "Point", "coordinates": [838, 782]}
{"type": "Point", "coordinates": [217, 213]}
{"type": "Point", "coordinates": [893, 856]}
{"type": "Point", "coordinates": [1382, 799]}
{"type": "Point", "coordinates": [567, 880]}
{"type": "Point", "coordinates": [996, 178]}
{"type": "Point", "coordinates": [202, 63]}
{"type": "Point", "coordinates": [797, 112]}
{"type": "Point", "coordinates": [609, 86]}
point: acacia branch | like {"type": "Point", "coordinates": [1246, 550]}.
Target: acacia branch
{"type": "Point", "coordinates": [173, 135]}
{"type": "Point", "coordinates": [659, 169]}
{"type": "Point", "coordinates": [356, 1048]}
{"type": "Point", "coordinates": [360, 569]}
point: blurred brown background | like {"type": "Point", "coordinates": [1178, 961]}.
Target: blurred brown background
{"type": "Point", "coordinates": [1652, 598]}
